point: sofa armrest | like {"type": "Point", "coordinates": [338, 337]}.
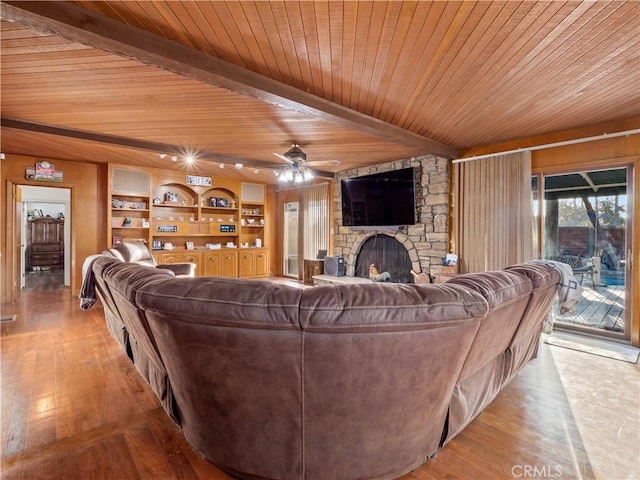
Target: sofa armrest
{"type": "Point", "coordinates": [180, 269]}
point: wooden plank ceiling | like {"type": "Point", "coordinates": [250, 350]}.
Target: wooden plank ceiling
{"type": "Point", "coordinates": [359, 82]}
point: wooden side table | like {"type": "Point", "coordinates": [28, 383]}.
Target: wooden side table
{"type": "Point", "coordinates": [311, 268]}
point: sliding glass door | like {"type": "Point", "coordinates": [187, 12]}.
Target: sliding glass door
{"type": "Point", "coordinates": [584, 222]}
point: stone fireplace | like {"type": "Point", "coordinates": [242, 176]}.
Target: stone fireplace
{"type": "Point", "coordinates": [424, 244]}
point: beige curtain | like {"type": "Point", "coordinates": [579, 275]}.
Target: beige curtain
{"type": "Point", "coordinates": [314, 219]}
{"type": "Point", "coordinates": [492, 199]}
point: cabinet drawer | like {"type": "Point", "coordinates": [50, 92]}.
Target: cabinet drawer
{"type": "Point", "coordinates": [45, 259]}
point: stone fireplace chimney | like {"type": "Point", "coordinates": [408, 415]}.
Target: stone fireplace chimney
{"type": "Point", "coordinates": [426, 242]}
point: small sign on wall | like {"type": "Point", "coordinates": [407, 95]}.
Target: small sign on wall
{"type": "Point", "coordinates": [44, 172]}
{"type": "Point", "coordinates": [200, 181]}
{"type": "Point", "coordinates": [167, 228]}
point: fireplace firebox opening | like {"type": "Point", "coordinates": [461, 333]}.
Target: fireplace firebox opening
{"type": "Point", "coordinates": [388, 255]}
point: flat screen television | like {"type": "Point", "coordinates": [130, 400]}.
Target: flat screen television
{"type": "Point", "coordinates": [380, 199]}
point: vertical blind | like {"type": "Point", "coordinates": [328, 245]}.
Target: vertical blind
{"type": "Point", "coordinates": [494, 227]}
{"type": "Point", "coordinates": [314, 221]}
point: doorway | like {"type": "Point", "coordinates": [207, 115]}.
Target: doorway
{"type": "Point", "coordinates": [585, 223]}
{"type": "Point", "coordinates": [45, 258]}
{"type": "Point", "coordinates": [290, 265]}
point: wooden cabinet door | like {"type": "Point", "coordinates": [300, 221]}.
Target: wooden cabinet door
{"type": "Point", "coordinates": [246, 264]}
{"type": "Point", "coordinates": [170, 258]}
{"type": "Point", "coordinates": [212, 264]}
{"type": "Point", "coordinates": [261, 263]}
{"type": "Point", "coordinates": [229, 264]}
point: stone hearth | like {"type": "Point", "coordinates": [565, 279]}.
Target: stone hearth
{"type": "Point", "coordinates": [426, 242]}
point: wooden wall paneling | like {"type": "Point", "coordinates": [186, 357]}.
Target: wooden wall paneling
{"type": "Point", "coordinates": [88, 210]}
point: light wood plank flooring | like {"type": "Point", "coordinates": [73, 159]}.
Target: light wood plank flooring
{"type": "Point", "coordinates": [73, 407]}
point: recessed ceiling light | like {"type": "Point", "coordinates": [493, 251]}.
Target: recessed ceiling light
{"type": "Point", "coordinates": [174, 158]}
{"type": "Point", "coordinates": [239, 166]}
{"type": "Point", "coordinates": [162, 155]}
{"type": "Point", "coordinates": [221, 165]}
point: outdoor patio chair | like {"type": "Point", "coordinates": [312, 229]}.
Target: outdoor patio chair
{"type": "Point", "coordinates": [578, 268]}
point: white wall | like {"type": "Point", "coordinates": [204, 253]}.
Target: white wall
{"type": "Point", "coordinates": [51, 200]}
{"type": "Point", "coordinates": [48, 209]}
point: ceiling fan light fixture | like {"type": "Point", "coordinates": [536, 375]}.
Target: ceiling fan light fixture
{"type": "Point", "coordinates": [307, 175]}
{"type": "Point", "coordinates": [288, 175]}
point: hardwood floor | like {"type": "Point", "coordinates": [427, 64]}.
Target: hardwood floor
{"type": "Point", "coordinates": [49, 279]}
{"type": "Point", "coordinates": [74, 407]}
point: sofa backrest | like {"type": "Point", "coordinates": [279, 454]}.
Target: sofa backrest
{"type": "Point", "coordinates": [233, 352]}
{"type": "Point", "coordinates": [133, 252]}
{"type": "Point", "coordinates": [112, 314]}
{"type": "Point", "coordinates": [524, 344]}
{"type": "Point", "coordinates": [289, 377]}
{"type": "Point", "coordinates": [380, 364]}
{"type": "Point", "coordinates": [123, 280]}
{"type": "Point", "coordinates": [507, 295]}
{"type": "Point", "coordinates": [544, 283]}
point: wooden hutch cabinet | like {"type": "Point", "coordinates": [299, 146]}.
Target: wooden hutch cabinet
{"type": "Point", "coordinates": [45, 243]}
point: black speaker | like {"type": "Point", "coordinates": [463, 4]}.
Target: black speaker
{"type": "Point", "coordinates": [334, 266]}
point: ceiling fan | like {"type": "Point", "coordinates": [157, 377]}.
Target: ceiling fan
{"type": "Point", "coordinates": [297, 165]}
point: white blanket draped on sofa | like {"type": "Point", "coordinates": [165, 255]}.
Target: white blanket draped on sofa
{"type": "Point", "coordinates": [569, 291]}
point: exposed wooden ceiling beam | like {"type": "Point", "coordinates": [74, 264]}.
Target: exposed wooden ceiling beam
{"type": "Point", "coordinates": [155, 147]}
{"type": "Point", "coordinates": [89, 28]}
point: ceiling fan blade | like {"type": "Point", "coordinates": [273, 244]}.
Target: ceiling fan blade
{"type": "Point", "coordinates": [288, 160]}
{"type": "Point", "coordinates": [324, 162]}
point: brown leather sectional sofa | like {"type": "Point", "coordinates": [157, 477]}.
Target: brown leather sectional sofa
{"type": "Point", "coordinates": [269, 381]}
